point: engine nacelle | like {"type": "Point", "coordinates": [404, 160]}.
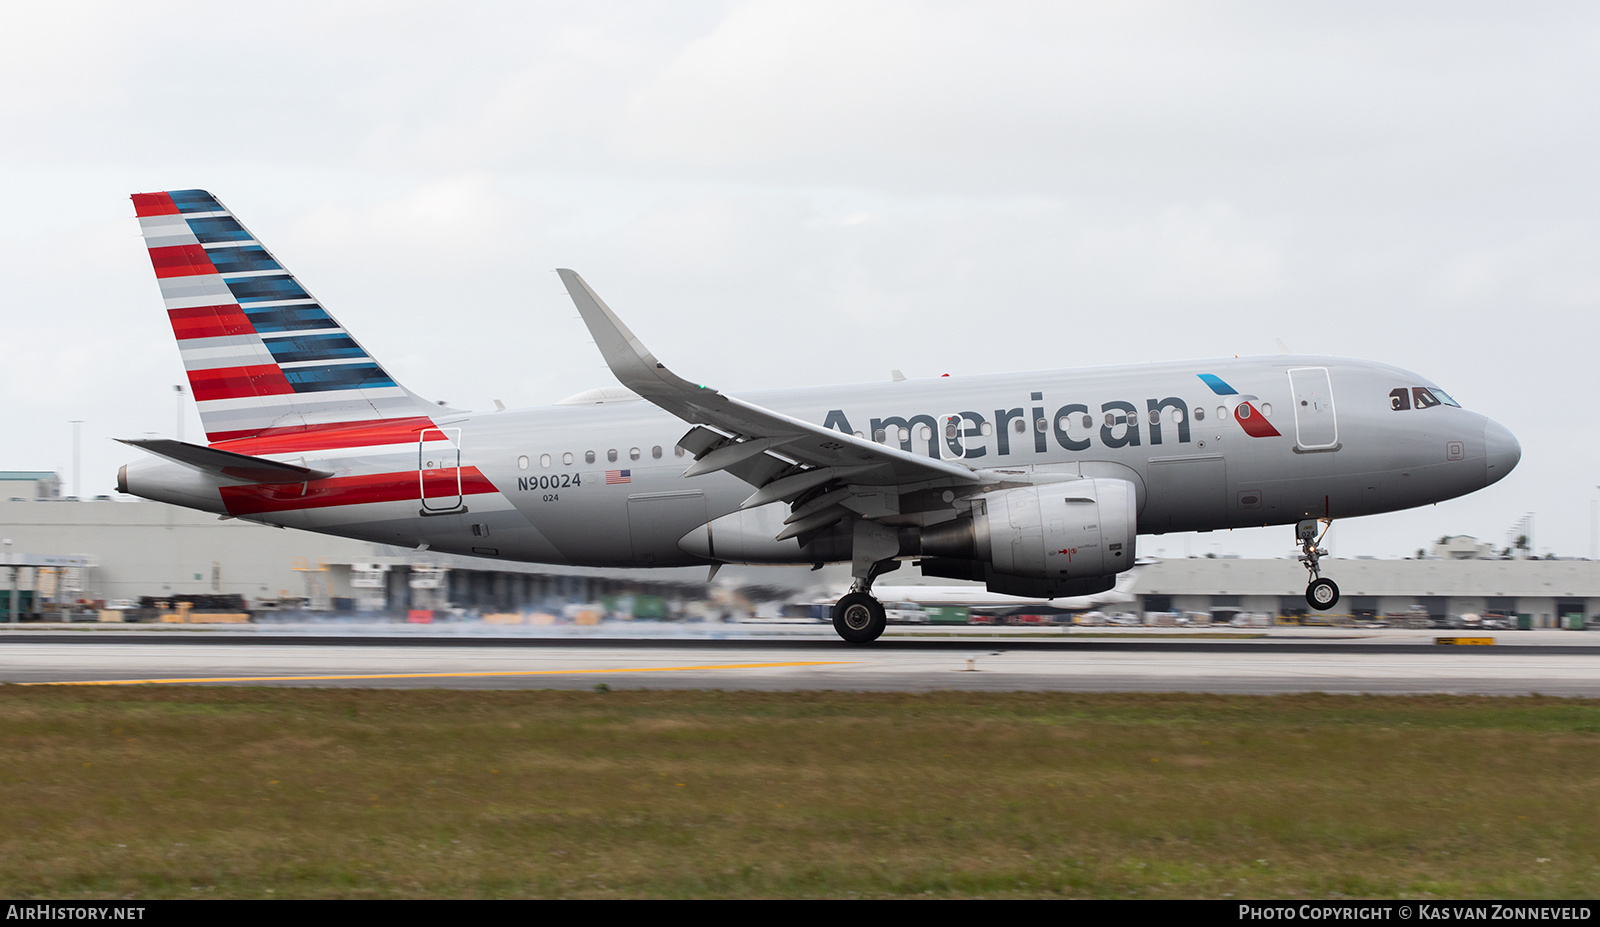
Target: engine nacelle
{"type": "Point", "coordinates": [1049, 540]}
{"type": "Point", "coordinates": [1075, 529]}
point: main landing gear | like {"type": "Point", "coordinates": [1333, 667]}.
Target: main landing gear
{"type": "Point", "coordinates": [1322, 593]}
{"type": "Point", "coordinates": [859, 617]}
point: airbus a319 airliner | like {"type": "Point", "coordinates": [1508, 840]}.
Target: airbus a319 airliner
{"type": "Point", "coordinates": [1036, 484]}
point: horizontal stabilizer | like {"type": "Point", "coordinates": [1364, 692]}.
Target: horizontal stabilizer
{"type": "Point", "coordinates": [241, 467]}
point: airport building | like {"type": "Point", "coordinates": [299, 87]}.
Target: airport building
{"type": "Point", "coordinates": [66, 551]}
{"type": "Point", "coordinates": [29, 485]}
{"type": "Point", "coordinates": [1536, 593]}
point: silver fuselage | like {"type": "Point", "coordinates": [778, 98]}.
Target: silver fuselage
{"type": "Point", "coordinates": [1333, 445]}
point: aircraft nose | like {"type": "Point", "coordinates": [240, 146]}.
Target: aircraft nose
{"type": "Point", "coordinates": [1501, 452]}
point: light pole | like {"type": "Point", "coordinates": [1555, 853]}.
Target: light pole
{"type": "Point", "coordinates": [16, 607]}
{"type": "Point", "coordinates": [77, 468]}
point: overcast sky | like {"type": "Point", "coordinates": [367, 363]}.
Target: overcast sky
{"type": "Point", "coordinates": [788, 194]}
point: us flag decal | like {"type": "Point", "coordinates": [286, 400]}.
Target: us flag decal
{"type": "Point", "coordinates": [613, 477]}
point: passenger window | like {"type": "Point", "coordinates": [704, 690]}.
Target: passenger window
{"type": "Point", "coordinates": [522, 462]}
{"type": "Point", "coordinates": [1042, 424]}
{"type": "Point", "coordinates": [566, 459]}
{"type": "Point", "coordinates": [655, 452]}
{"type": "Point", "coordinates": [1088, 421]}
{"type": "Point", "coordinates": [544, 460]}
{"type": "Point", "coordinates": [1222, 411]}
{"type": "Point", "coordinates": [1199, 414]}
{"type": "Point", "coordinates": [588, 456]}
{"type": "Point", "coordinates": [611, 455]}
{"type": "Point", "coordinates": [633, 453]}
{"type": "Point", "coordinates": [1111, 419]}
{"type": "Point", "coordinates": [1177, 416]}
{"type": "Point", "coordinates": [1019, 426]}
{"type": "Point", "coordinates": [881, 436]}
{"type": "Point", "coordinates": [986, 429]}
{"type": "Point", "coordinates": [1064, 423]}
{"type": "Point", "coordinates": [1133, 418]}
{"type": "Point", "coordinates": [677, 451]}
{"type": "Point", "coordinates": [1266, 408]}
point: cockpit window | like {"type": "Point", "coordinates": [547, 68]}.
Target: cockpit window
{"type": "Point", "coordinates": [1402, 399]}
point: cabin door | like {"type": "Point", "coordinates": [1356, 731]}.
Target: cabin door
{"type": "Point", "coordinates": [1315, 427]}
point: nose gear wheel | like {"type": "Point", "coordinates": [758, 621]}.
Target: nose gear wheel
{"type": "Point", "coordinates": [1321, 593]}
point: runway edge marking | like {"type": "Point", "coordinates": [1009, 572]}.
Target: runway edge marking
{"type": "Point", "coordinates": [639, 669]}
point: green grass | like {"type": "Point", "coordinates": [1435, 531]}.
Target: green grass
{"type": "Point", "coordinates": [240, 792]}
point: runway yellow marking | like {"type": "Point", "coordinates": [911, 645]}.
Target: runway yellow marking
{"type": "Point", "coordinates": [576, 672]}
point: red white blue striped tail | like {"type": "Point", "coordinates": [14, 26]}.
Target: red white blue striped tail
{"type": "Point", "coordinates": [264, 358]}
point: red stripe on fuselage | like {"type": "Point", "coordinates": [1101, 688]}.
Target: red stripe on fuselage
{"type": "Point", "coordinates": [209, 322]}
{"type": "Point", "coordinates": [181, 261]}
{"type": "Point", "coordinates": [351, 490]}
{"type": "Point", "coordinates": [325, 436]}
{"type": "Point", "coordinates": [234, 382]}
{"type": "Point", "coordinates": [154, 204]}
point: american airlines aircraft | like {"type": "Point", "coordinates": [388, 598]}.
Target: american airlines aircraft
{"type": "Point", "coordinates": [1035, 483]}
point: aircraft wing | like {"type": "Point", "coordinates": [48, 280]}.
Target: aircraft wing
{"type": "Point", "coordinates": [779, 454]}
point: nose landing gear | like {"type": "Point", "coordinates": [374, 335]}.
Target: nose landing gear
{"type": "Point", "coordinates": [1321, 593]}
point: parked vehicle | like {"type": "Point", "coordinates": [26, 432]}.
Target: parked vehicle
{"type": "Point", "coordinates": [905, 613]}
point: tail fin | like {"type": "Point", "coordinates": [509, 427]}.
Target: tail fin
{"type": "Point", "coordinates": [264, 358]}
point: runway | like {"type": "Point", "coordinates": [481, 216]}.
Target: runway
{"type": "Point", "coordinates": [1395, 663]}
